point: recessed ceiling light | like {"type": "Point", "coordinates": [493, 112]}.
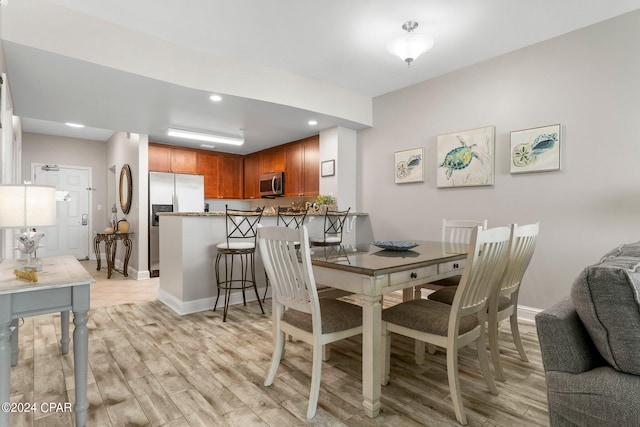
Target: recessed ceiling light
{"type": "Point", "coordinates": [207, 137]}
{"type": "Point", "coordinates": [74, 125]}
{"type": "Point", "coordinates": [215, 98]}
{"type": "Point", "coordinates": [313, 122]}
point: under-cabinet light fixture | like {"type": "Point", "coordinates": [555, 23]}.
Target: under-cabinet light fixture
{"type": "Point", "coordinates": [187, 134]}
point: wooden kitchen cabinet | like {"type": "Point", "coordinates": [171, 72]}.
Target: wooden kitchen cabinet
{"type": "Point", "coordinates": [164, 158]}
{"type": "Point", "coordinates": [208, 167]}
{"type": "Point", "coordinates": [251, 176]}
{"type": "Point", "coordinates": [302, 168]}
{"type": "Point", "coordinates": [222, 175]}
{"type": "Point", "coordinates": [272, 160]}
{"type": "Point", "coordinates": [230, 174]}
{"type": "Point", "coordinates": [159, 158]}
{"type": "Point", "coordinates": [183, 161]}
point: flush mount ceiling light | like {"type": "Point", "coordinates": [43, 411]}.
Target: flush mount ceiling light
{"type": "Point", "coordinates": [411, 45]}
{"type": "Point", "coordinates": [74, 125]}
{"type": "Point", "coordinates": [187, 134]}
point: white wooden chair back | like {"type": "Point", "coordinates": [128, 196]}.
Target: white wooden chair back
{"type": "Point", "coordinates": [285, 255]}
{"type": "Point", "coordinates": [460, 230]}
{"type": "Point", "coordinates": [485, 263]}
{"type": "Point", "coordinates": [521, 247]}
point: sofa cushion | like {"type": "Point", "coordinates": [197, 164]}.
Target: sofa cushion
{"type": "Point", "coordinates": [606, 296]}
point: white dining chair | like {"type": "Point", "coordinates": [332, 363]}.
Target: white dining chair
{"type": "Point", "coordinates": [297, 309]}
{"type": "Point", "coordinates": [454, 326]}
{"type": "Point", "coordinates": [503, 302]}
{"type": "Point", "coordinates": [455, 231]}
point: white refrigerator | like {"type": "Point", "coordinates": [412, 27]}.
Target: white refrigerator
{"type": "Point", "coordinates": [169, 192]}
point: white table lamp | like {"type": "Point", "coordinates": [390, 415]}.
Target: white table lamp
{"type": "Point", "coordinates": [27, 206]}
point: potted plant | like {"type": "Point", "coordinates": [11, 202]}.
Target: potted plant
{"type": "Point", "coordinates": [324, 202]}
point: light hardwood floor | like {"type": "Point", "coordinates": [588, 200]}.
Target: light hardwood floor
{"type": "Point", "coordinates": [151, 367]}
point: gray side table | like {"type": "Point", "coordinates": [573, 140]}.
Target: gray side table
{"type": "Point", "coordinates": [63, 285]}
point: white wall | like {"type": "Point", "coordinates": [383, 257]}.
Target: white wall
{"type": "Point", "coordinates": [132, 149]}
{"type": "Point", "coordinates": [589, 82]}
{"type": "Point", "coordinates": [38, 148]}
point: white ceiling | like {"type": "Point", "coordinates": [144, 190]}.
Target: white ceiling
{"type": "Point", "coordinates": [340, 42]}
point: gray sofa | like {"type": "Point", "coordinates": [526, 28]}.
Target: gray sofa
{"type": "Point", "coordinates": [590, 345]}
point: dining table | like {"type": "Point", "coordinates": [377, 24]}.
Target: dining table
{"type": "Point", "coordinates": [371, 272]}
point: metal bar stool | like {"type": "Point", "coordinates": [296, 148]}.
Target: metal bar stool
{"type": "Point", "coordinates": [241, 226]}
{"type": "Point", "coordinates": [334, 223]}
{"type": "Point", "coordinates": [290, 218]}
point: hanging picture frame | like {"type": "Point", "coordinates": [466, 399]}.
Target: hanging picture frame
{"type": "Point", "coordinates": [466, 158]}
{"type": "Point", "coordinates": [328, 168]}
{"type": "Point", "coordinates": [535, 150]}
{"type": "Point", "coordinates": [409, 166]}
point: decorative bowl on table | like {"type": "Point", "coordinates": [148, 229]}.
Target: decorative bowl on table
{"type": "Point", "coordinates": [395, 245]}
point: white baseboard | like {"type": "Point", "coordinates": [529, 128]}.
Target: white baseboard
{"type": "Point", "coordinates": [204, 304]}
{"type": "Point", "coordinates": [527, 314]}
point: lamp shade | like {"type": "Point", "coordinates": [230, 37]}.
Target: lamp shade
{"type": "Point", "coordinates": [409, 46]}
{"type": "Point", "coordinates": [24, 206]}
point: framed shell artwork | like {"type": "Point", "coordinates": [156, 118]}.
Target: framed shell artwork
{"type": "Point", "coordinates": [408, 166]}
{"type": "Point", "coordinates": [535, 150]}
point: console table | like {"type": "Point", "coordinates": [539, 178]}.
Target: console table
{"type": "Point", "coordinates": [63, 285]}
{"type": "Point", "coordinates": [110, 245]}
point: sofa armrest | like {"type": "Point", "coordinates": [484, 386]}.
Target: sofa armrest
{"type": "Point", "coordinates": [564, 341]}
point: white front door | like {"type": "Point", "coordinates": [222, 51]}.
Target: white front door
{"type": "Point", "coordinates": [71, 235]}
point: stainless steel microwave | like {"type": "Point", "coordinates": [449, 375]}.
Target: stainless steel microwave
{"type": "Point", "coordinates": [272, 185]}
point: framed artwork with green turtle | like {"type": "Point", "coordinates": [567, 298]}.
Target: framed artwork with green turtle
{"type": "Point", "coordinates": [535, 150]}
{"type": "Point", "coordinates": [466, 158]}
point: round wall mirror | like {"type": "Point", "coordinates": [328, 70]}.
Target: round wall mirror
{"type": "Point", "coordinates": [126, 189]}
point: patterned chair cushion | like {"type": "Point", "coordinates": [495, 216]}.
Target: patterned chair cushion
{"type": "Point", "coordinates": [336, 316]}
{"type": "Point", "coordinates": [606, 296]}
{"type": "Point", "coordinates": [446, 296]}
{"type": "Point", "coordinates": [426, 316]}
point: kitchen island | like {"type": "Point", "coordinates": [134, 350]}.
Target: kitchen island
{"type": "Point", "coordinates": [188, 250]}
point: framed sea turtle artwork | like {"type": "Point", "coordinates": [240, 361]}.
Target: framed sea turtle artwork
{"type": "Point", "coordinates": [409, 166]}
{"type": "Point", "coordinates": [466, 158]}
{"type": "Point", "coordinates": [535, 150]}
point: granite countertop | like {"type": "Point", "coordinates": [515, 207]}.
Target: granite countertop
{"type": "Point", "coordinates": [222, 213]}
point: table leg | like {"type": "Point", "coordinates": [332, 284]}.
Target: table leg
{"type": "Point", "coordinates": [5, 357]}
{"type": "Point", "coordinates": [96, 249]}
{"type": "Point", "coordinates": [127, 246]}
{"type": "Point", "coordinates": [110, 253]}
{"type": "Point", "coordinates": [81, 352]}
{"type": "Point", "coordinates": [371, 350]}
{"type": "Point", "coordinates": [14, 341]}
{"type": "Point", "coordinates": [64, 331]}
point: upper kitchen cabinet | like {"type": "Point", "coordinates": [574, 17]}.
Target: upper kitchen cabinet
{"type": "Point", "coordinates": [252, 176]}
{"type": "Point", "coordinates": [207, 165]}
{"type": "Point", "coordinates": [230, 173]}
{"type": "Point", "coordinates": [302, 167]}
{"type": "Point", "coordinates": [163, 158]}
{"type": "Point", "coordinates": [272, 160]}
{"type": "Point", "coordinates": [223, 175]}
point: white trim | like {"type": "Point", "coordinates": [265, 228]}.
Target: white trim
{"type": "Point", "coordinates": [527, 314]}
{"type": "Point", "coordinates": [204, 304]}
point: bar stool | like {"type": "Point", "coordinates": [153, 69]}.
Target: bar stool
{"type": "Point", "coordinates": [241, 227]}
{"type": "Point", "coordinates": [334, 223]}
